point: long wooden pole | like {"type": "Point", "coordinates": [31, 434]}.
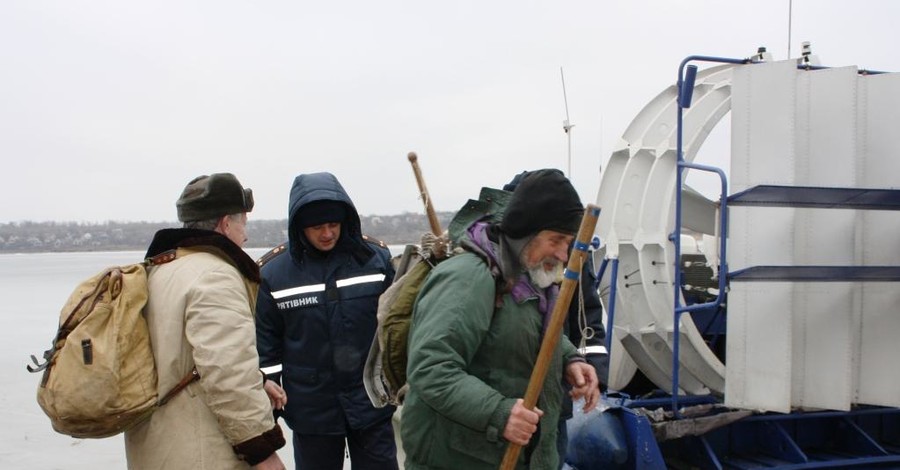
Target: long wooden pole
{"type": "Point", "coordinates": [557, 319]}
{"type": "Point", "coordinates": [429, 209]}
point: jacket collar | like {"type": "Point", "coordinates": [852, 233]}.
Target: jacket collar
{"type": "Point", "coordinates": [171, 238]}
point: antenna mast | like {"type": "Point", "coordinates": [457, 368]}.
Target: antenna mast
{"type": "Point", "coordinates": [566, 126]}
{"type": "Point", "coordinates": [790, 21]}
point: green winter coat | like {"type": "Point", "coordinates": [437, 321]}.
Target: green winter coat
{"type": "Point", "coordinates": [468, 363]}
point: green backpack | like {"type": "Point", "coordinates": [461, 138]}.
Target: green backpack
{"type": "Point", "coordinates": [384, 375]}
{"type": "Point", "coordinates": [99, 376]}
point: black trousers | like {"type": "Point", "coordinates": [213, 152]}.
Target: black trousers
{"type": "Point", "coordinates": [372, 448]}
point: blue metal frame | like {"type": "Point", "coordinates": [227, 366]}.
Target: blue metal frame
{"type": "Point", "coordinates": [770, 195]}
{"type": "Point", "coordinates": [868, 437]}
{"type": "Point", "coordinates": [684, 102]}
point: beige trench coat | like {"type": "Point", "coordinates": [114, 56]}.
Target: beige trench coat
{"type": "Point", "coordinates": [200, 314]}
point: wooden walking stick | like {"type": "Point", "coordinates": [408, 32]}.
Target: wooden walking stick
{"type": "Point", "coordinates": [557, 319]}
{"type": "Point", "coordinates": [429, 209]}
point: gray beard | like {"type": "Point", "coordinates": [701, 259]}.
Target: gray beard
{"type": "Point", "coordinates": [544, 279]}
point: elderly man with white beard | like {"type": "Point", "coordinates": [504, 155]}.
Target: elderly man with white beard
{"type": "Point", "coordinates": [477, 328]}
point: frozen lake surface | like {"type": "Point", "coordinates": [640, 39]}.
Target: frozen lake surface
{"type": "Point", "coordinates": [33, 288]}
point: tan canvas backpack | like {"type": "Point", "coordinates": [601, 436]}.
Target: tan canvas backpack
{"type": "Point", "coordinates": [99, 375]}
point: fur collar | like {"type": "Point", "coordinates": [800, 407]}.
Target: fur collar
{"type": "Point", "coordinates": [171, 238]}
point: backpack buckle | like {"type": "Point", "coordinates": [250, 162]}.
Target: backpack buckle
{"type": "Point", "coordinates": [40, 366]}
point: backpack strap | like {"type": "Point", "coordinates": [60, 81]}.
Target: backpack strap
{"type": "Point", "coordinates": [192, 376]}
{"type": "Point", "coordinates": [38, 365]}
{"type": "Point", "coordinates": [161, 258]}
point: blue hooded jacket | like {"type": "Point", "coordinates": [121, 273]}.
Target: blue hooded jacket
{"type": "Point", "coordinates": [316, 317]}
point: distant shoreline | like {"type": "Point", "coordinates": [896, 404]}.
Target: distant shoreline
{"type": "Point", "coordinates": [75, 237]}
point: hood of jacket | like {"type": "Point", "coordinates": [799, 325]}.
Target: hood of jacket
{"type": "Point", "coordinates": [314, 187]}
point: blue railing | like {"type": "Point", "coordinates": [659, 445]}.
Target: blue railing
{"type": "Point", "coordinates": [686, 76]}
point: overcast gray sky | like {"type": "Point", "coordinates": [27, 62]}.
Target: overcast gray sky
{"type": "Point", "coordinates": [108, 108]}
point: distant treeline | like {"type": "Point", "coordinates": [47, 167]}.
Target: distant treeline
{"type": "Point", "coordinates": [32, 237]}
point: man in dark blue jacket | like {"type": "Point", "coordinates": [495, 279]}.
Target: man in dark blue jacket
{"type": "Point", "coordinates": [315, 322]}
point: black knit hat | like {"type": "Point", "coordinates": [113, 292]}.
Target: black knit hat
{"type": "Point", "coordinates": [210, 197]}
{"type": "Point", "coordinates": [321, 212]}
{"type": "Point", "coordinates": [542, 200]}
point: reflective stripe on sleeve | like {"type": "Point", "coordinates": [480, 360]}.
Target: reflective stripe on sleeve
{"type": "Point", "coordinates": [350, 281]}
{"type": "Point", "coordinates": [594, 350]}
{"type": "Point", "coordinates": [271, 369]}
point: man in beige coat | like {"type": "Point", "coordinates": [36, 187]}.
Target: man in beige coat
{"type": "Point", "coordinates": [200, 314]}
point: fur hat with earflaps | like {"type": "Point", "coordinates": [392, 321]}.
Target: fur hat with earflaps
{"type": "Point", "coordinates": [212, 196]}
